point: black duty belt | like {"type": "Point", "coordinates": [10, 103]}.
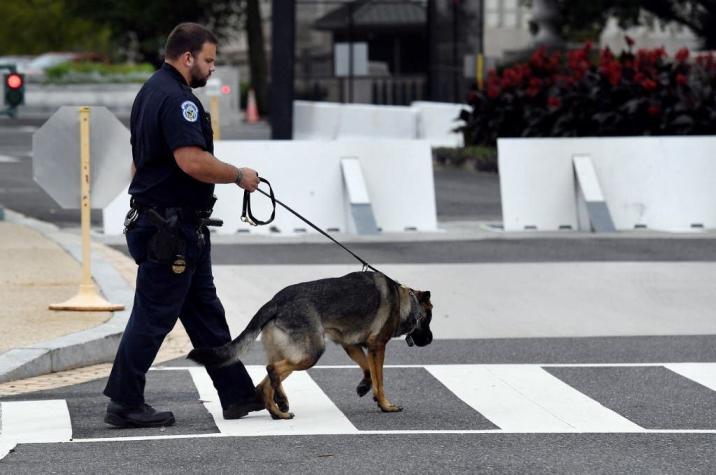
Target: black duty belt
{"type": "Point", "coordinates": [190, 214]}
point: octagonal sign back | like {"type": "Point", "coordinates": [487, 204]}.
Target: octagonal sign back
{"type": "Point", "coordinates": [56, 157]}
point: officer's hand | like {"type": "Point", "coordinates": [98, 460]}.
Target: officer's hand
{"type": "Point", "coordinates": [249, 179]}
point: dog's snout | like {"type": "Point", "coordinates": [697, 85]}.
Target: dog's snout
{"type": "Point", "coordinates": [422, 338]}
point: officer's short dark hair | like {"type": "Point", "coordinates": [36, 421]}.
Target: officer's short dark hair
{"type": "Point", "coordinates": [187, 37]}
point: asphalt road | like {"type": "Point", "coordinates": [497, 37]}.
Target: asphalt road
{"type": "Point", "coordinates": [458, 425]}
{"type": "Point", "coordinates": [437, 431]}
{"type": "Point", "coordinates": [483, 250]}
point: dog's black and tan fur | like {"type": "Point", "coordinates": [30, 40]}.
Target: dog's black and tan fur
{"type": "Point", "coordinates": [360, 311]}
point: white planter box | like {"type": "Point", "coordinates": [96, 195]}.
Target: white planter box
{"type": "Point", "coordinates": [659, 183]}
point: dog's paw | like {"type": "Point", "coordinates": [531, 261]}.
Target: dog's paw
{"type": "Point", "coordinates": [281, 402]}
{"type": "Point", "coordinates": [363, 388]}
{"type": "Point", "coordinates": [391, 408]}
{"type": "Point", "coordinates": [284, 416]}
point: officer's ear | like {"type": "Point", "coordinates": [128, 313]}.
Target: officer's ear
{"type": "Point", "coordinates": [189, 58]}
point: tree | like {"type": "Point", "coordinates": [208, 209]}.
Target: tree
{"type": "Point", "coordinates": [257, 53]}
{"type": "Point", "coordinates": [143, 26]}
{"type": "Point", "coordinates": [147, 24]}
{"type": "Point", "coordinates": [583, 20]}
{"type": "Point", "coordinates": [25, 32]}
{"type": "Point", "coordinates": [697, 15]}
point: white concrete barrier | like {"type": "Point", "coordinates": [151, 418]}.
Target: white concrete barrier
{"type": "Point", "coordinates": [377, 122]}
{"type": "Point", "coordinates": [307, 176]}
{"type": "Point", "coordinates": [436, 122]}
{"type": "Point", "coordinates": [660, 183]}
{"type": "Point", "coordinates": [315, 120]}
{"type": "Point", "coordinates": [430, 121]}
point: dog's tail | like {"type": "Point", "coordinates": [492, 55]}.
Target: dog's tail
{"type": "Point", "coordinates": [232, 351]}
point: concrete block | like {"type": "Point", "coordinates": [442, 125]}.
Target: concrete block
{"type": "Point", "coordinates": [436, 122]}
{"type": "Point", "coordinates": [307, 176]}
{"type": "Point", "coordinates": [659, 183]}
{"type": "Point", "coordinates": [378, 122]}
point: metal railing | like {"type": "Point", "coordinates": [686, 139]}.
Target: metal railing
{"type": "Point", "coordinates": [381, 90]}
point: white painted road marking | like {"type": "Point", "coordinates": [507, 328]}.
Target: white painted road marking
{"type": "Point", "coordinates": [315, 412]}
{"type": "Point", "coordinates": [33, 422]}
{"type": "Point", "coordinates": [595, 298]}
{"type": "Point", "coordinates": [702, 373]}
{"type": "Point", "coordinates": [6, 447]}
{"type": "Point", "coordinates": [378, 432]}
{"type": "Point", "coordinates": [526, 398]}
{"type": "Point", "coordinates": [517, 398]}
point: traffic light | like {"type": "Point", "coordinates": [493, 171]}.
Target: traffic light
{"type": "Point", "coordinates": [14, 89]}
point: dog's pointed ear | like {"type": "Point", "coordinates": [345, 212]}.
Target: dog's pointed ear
{"type": "Point", "coordinates": [425, 296]}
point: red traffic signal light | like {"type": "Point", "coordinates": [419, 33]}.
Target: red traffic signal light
{"type": "Point", "coordinates": [14, 90]}
{"type": "Point", "coordinates": [14, 81]}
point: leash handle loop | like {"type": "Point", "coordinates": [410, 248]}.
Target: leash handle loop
{"type": "Point", "coordinates": [246, 214]}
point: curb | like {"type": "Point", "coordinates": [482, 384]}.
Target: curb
{"type": "Point", "coordinates": [92, 346]}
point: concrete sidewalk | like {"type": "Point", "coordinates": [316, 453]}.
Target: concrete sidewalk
{"type": "Point", "coordinates": [41, 266]}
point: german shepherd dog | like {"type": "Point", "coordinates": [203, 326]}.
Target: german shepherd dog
{"type": "Point", "coordinates": [359, 311]}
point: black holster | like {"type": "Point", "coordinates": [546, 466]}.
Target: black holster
{"type": "Point", "coordinates": [168, 243]}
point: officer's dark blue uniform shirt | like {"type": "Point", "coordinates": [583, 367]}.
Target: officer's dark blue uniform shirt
{"type": "Point", "coordinates": [166, 116]}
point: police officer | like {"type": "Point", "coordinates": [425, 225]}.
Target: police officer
{"type": "Point", "coordinates": [172, 196]}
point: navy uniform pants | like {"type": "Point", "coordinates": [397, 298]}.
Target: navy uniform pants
{"type": "Point", "coordinates": [160, 299]}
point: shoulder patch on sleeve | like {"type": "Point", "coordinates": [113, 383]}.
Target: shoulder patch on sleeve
{"type": "Point", "coordinates": [189, 111]}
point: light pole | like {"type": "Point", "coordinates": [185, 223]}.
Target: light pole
{"type": "Point", "coordinates": [283, 21]}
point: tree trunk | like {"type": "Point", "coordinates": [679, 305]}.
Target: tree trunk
{"type": "Point", "coordinates": [257, 53]}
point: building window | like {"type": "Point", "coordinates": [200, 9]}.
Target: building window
{"type": "Point", "coordinates": [504, 14]}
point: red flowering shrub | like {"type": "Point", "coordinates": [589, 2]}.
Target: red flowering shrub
{"type": "Point", "coordinates": [582, 94]}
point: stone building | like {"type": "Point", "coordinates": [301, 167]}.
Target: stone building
{"type": "Point", "coordinates": [419, 49]}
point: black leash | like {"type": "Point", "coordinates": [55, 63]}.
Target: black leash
{"type": "Point", "coordinates": [248, 217]}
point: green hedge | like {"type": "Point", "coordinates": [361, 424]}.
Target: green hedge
{"type": "Point", "coordinates": [87, 72]}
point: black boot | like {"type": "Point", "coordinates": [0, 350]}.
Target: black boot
{"type": "Point", "coordinates": [241, 408]}
{"type": "Point", "coordinates": [144, 415]}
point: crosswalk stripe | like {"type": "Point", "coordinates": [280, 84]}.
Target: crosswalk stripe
{"type": "Point", "coordinates": [317, 413]}
{"type": "Point", "coordinates": [518, 398]}
{"type": "Point", "coordinates": [6, 447]}
{"type": "Point", "coordinates": [702, 373]}
{"type": "Point", "coordinates": [526, 398]}
{"type": "Point", "coordinates": [35, 421]}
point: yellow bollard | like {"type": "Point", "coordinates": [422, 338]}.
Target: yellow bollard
{"type": "Point", "coordinates": [87, 299]}
{"type": "Point", "coordinates": [480, 71]}
{"type": "Point", "coordinates": [214, 106]}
